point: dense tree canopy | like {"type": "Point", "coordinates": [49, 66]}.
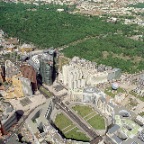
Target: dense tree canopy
{"type": "Point", "coordinates": [45, 27]}
{"type": "Point", "coordinates": [114, 45]}
{"type": "Point", "coordinates": [138, 5]}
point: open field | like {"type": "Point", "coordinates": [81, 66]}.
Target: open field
{"type": "Point", "coordinates": [82, 110]}
{"type": "Point", "coordinates": [89, 115]}
{"type": "Point", "coordinates": [97, 122]}
{"type": "Point", "coordinates": [62, 121]}
{"type": "Point", "coordinates": [76, 134]}
{"type": "Point", "coordinates": [69, 129]}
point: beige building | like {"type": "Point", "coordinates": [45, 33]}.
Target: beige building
{"type": "Point", "coordinates": [20, 87]}
{"type": "Point", "coordinates": [80, 73]}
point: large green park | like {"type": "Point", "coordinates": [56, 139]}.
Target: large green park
{"type": "Point", "coordinates": [69, 129]}
{"type": "Point", "coordinates": [97, 40]}
{"type": "Point", "coordinates": [90, 116]}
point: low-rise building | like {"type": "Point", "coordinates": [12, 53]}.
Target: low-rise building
{"type": "Point", "coordinates": [126, 128]}
{"type": "Point", "coordinates": [8, 117]}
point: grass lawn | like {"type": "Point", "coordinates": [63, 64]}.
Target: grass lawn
{"type": "Point", "coordinates": [82, 110]}
{"type": "Point", "coordinates": [120, 90]}
{"type": "Point", "coordinates": [77, 135]}
{"type": "Point", "coordinates": [62, 121]}
{"type": "Point", "coordinates": [68, 128]}
{"type": "Point", "coordinates": [64, 124]}
{"type": "Point", "coordinates": [109, 91]}
{"type": "Point", "coordinates": [46, 91]}
{"type": "Point", "coordinates": [89, 116]}
{"type": "Point", "coordinates": [87, 112]}
{"type": "Point", "coordinates": [97, 122]}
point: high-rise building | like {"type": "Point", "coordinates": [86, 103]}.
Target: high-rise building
{"type": "Point", "coordinates": [47, 67]}
{"type": "Point", "coordinates": [46, 71]}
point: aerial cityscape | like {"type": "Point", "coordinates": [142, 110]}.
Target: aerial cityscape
{"type": "Point", "coordinates": [72, 72]}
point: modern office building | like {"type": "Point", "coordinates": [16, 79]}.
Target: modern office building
{"type": "Point", "coordinates": [46, 71]}
{"type": "Point", "coordinates": [86, 95]}
{"type": "Point", "coordinates": [34, 58]}
{"type": "Point", "coordinates": [43, 64]}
